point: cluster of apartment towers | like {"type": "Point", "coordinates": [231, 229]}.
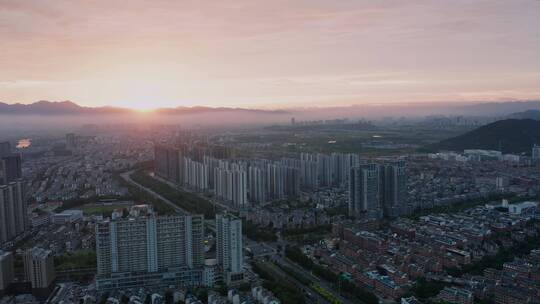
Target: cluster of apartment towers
{"type": "Point", "coordinates": [144, 249]}
{"type": "Point", "coordinates": [13, 219]}
{"type": "Point", "coordinates": [38, 263]}
{"type": "Point", "coordinates": [375, 189]}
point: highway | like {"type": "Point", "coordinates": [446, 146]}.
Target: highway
{"type": "Point", "coordinates": [283, 260]}
{"type": "Point", "coordinates": [127, 177]}
{"type": "Point", "coordinates": [279, 257]}
{"type": "Point", "coordinates": [180, 188]}
{"type": "Point", "coordinates": [313, 297]}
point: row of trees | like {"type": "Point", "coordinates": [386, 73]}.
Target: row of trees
{"type": "Point", "coordinates": [257, 233]}
{"type": "Point", "coordinates": [283, 291]}
{"type": "Point", "coordinates": [349, 288]}
{"type": "Point", "coordinates": [185, 200]}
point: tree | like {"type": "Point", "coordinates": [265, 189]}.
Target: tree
{"type": "Point", "coordinates": [202, 294]}
{"type": "Point", "coordinates": [169, 297]}
{"type": "Point", "coordinates": [124, 299]}
{"type": "Point", "coordinates": [104, 298]}
{"type": "Point", "coordinates": [148, 299]}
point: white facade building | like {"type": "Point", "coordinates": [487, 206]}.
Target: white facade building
{"type": "Point", "coordinates": [150, 250]}
{"type": "Point", "coordinates": [521, 207]}
{"type": "Point", "coordinates": [230, 254]}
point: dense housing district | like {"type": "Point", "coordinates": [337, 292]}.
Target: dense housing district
{"type": "Point", "coordinates": [168, 215]}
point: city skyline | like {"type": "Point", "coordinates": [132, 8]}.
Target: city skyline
{"type": "Point", "coordinates": [257, 54]}
{"type": "Point", "coordinates": [269, 152]}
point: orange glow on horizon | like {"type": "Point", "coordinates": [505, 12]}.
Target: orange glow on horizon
{"type": "Point", "coordinates": [273, 54]}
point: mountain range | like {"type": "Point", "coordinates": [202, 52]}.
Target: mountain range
{"type": "Point", "coordinates": [497, 109]}
{"type": "Point", "coordinates": [529, 114]}
{"type": "Point", "coordinates": [507, 136]}
{"type": "Point", "coordinates": [44, 107]}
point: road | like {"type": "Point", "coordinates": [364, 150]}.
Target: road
{"type": "Point", "coordinates": [313, 297]}
{"type": "Point", "coordinates": [127, 177]}
{"type": "Point", "coordinates": [215, 202]}
{"type": "Point", "coordinates": [286, 262]}
{"type": "Point", "coordinates": [283, 260]}
{"type": "Point", "coordinates": [280, 259]}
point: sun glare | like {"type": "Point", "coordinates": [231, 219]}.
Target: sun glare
{"type": "Point", "coordinates": [144, 110]}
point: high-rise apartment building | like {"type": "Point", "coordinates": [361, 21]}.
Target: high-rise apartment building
{"type": "Point", "coordinates": [196, 175]}
{"type": "Point", "coordinates": [344, 163]}
{"type": "Point", "coordinates": [231, 184]}
{"type": "Point", "coordinates": [10, 168]}
{"type": "Point", "coordinates": [330, 170]}
{"type": "Point", "coordinates": [200, 150]}
{"type": "Point", "coordinates": [169, 163]}
{"type": "Point", "coordinates": [39, 270]}
{"type": "Point", "coordinates": [239, 188]}
{"type": "Point", "coordinates": [150, 251]}
{"type": "Point", "coordinates": [291, 182]}
{"type": "Point", "coordinates": [71, 141]}
{"type": "Point", "coordinates": [256, 185]}
{"type": "Point", "coordinates": [211, 163]}
{"type": "Point", "coordinates": [6, 271]}
{"type": "Point", "coordinates": [325, 170]}
{"type": "Point", "coordinates": [536, 153]}
{"type": "Point", "coordinates": [230, 254]}
{"type": "Point", "coordinates": [5, 148]}
{"type": "Point", "coordinates": [393, 188]}
{"type": "Point", "coordinates": [308, 171]}
{"type": "Point", "coordinates": [275, 181]}
{"type": "Point", "coordinates": [364, 191]}
{"type": "Point", "coordinates": [13, 219]}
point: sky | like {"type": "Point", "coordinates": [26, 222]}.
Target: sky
{"type": "Point", "coordinates": [268, 54]}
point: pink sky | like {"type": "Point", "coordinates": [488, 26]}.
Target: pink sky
{"type": "Point", "coordinates": [255, 53]}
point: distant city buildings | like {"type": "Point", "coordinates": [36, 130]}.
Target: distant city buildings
{"type": "Point", "coordinates": [321, 170]}
{"type": "Point", "coordinates": [71, 141]}
{"type": "Point", "coordinates": [255, 181]}
{"type": "Point", "coordinates": [169, 163]}
{"type": "Point", "coordinates": [536, 153]}
{"type": "Point", "coordinates": [231, 184]}
{"type": "Point", "coordinates": [479, 155]}
{"type": "Point", "coordinates": [393, 188]}
{"type": "Point", "coordinates": [238, 182]}
{"type": "Point", "coordinates": [257, 185]}
{"type": "Point", "coordinates": [377, 190]}
{"type": "Point", "coordinates": [364, 191]}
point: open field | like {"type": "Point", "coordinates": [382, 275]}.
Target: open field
{"type": "Point", "coordinates": [373, 141]}
{"type": "Point", "coordinates": [105, 209]}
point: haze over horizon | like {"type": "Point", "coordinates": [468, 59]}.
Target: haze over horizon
{"type": "Point", "coordinates": [259, 54]}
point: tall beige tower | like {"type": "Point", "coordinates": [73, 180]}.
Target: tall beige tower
{"type": "Point", "coordinates": [39, 268]}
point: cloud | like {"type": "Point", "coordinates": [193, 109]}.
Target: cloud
{"type": "Point", "coordinates": [221, 51]}
{"type": "Point", "coordinates": [29, 83]}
